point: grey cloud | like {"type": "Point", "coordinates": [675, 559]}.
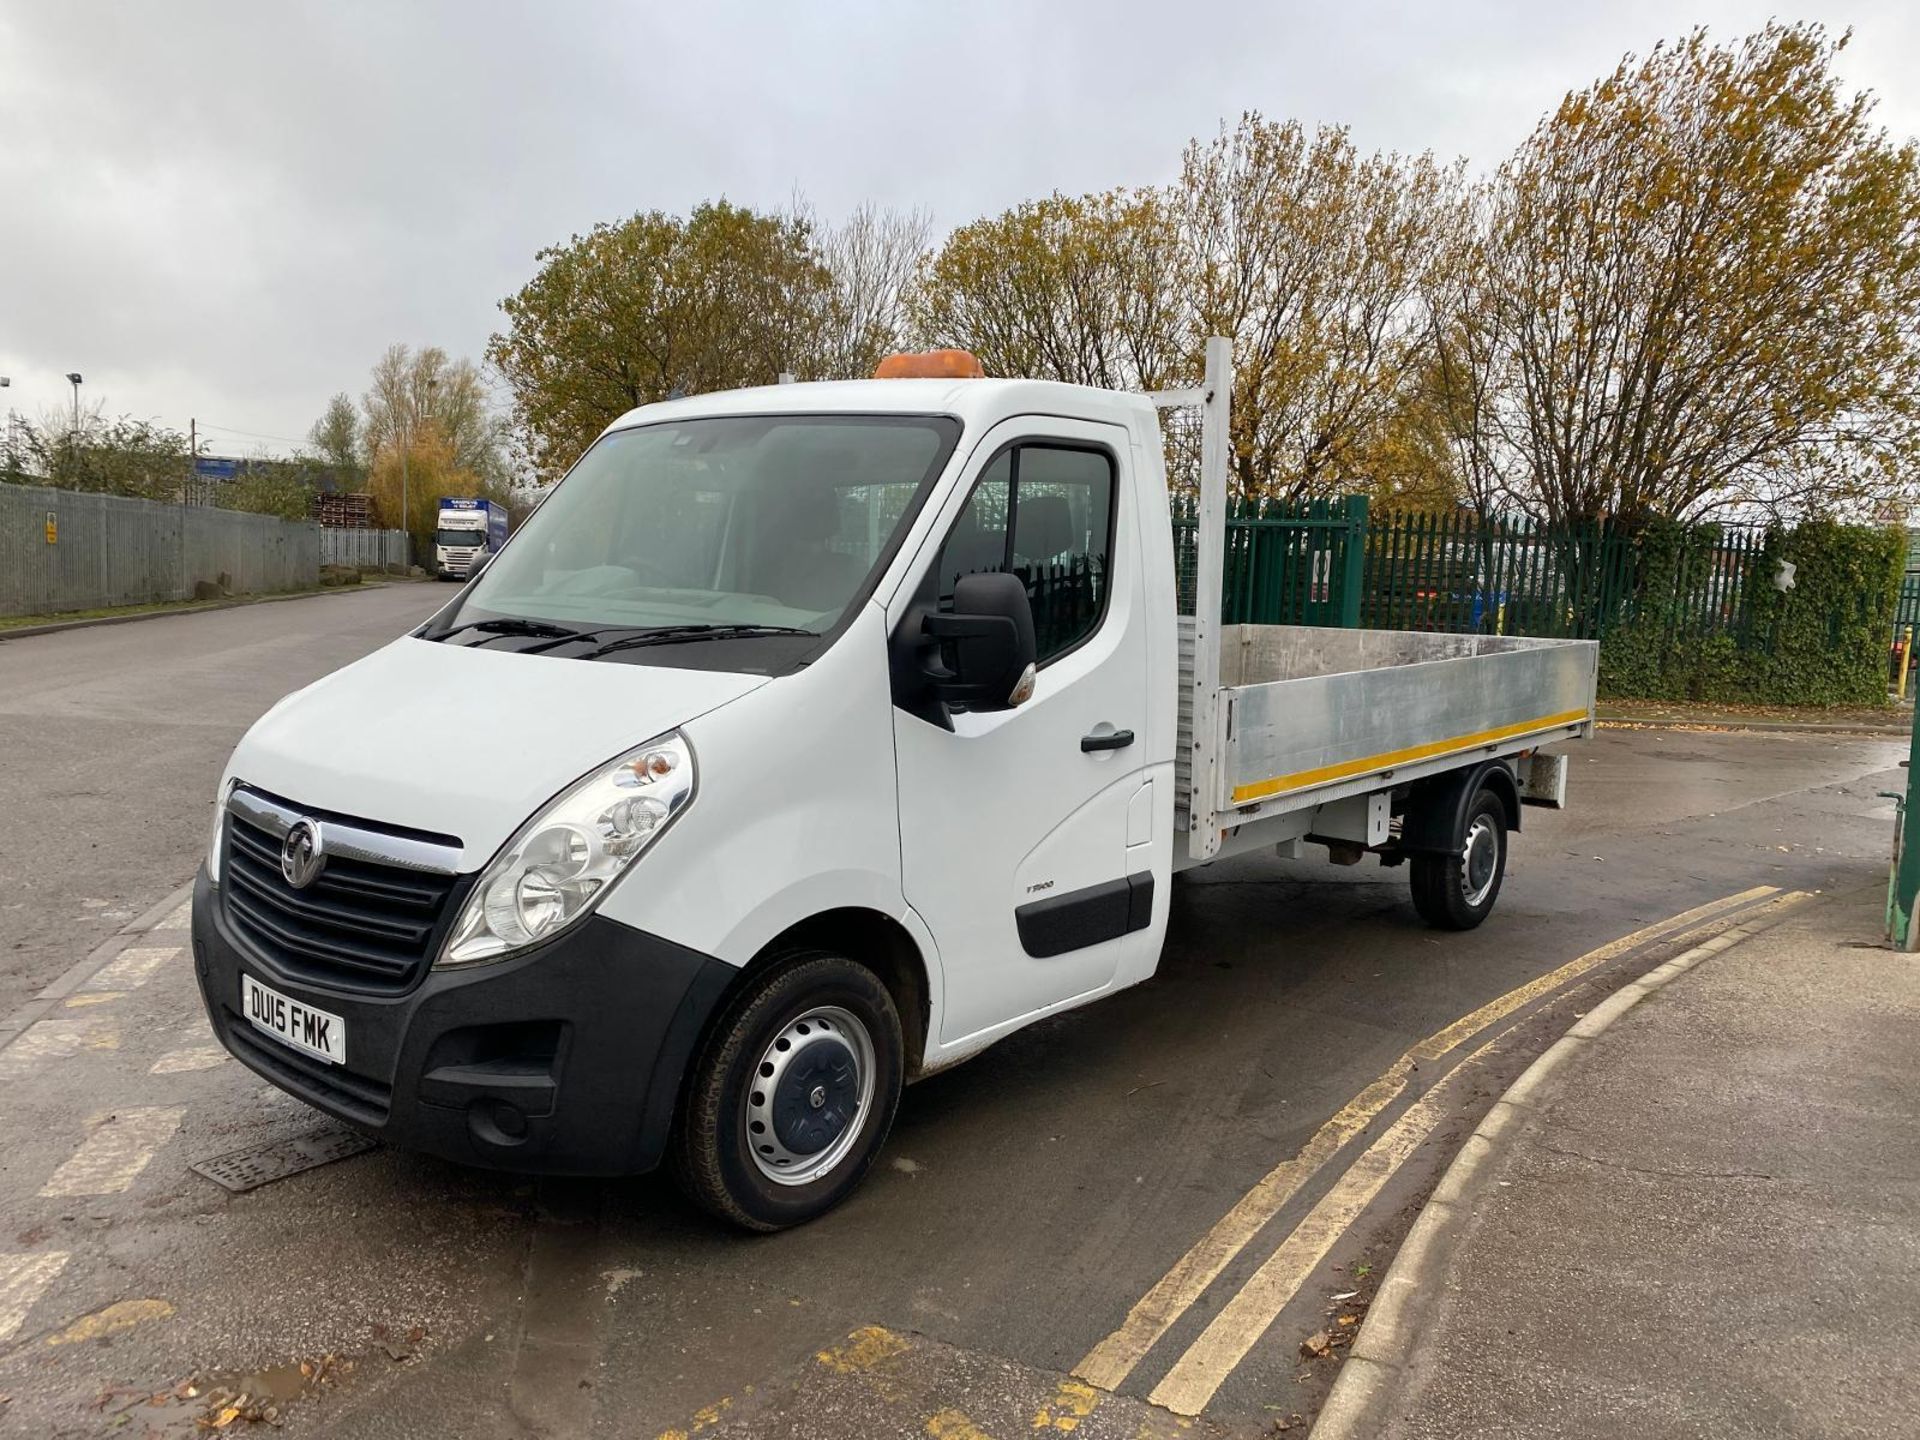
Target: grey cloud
{"type": "Point", "coordinates": [227, 210]}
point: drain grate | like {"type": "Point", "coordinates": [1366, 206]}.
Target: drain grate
{"type": "Point", "coordinates": [242, 1170]}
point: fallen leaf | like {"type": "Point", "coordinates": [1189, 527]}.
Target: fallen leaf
{"type": "Point", "coordinates": [1349, 1319]}
{"type": "Point", "coordinates": [1316, 1344]}
{"type": "Point", "coordinates": [226, 1417]}
{"type": "Point", "coordinates": [1346, 1294]}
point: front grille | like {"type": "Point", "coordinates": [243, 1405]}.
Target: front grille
{"type": "Point", "coordinates": [354, 1096]}
{"type": "Point", "coordinates": [359, 926]}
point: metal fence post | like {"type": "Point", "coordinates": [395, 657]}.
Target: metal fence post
{"type": "Point", "coordinates": [1904, 883]}
{"type": "Point", "coordinates": [1353, 557]}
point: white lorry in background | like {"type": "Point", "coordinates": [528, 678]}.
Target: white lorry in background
{"type": "Point", "coordinates": [465, 534]}
{"type": "Point", "coordinates": [837, 730]}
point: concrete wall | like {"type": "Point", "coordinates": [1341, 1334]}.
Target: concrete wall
{"type": "Point", "coordinates": [115, 551]}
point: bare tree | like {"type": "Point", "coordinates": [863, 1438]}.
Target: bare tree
{"type": "Point", "coordinates": [414, 392]}
{"type": "Point", "coordinates": [871, 256]}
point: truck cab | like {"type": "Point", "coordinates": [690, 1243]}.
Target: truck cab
{"type": "Point", "coordinates": [466, 533]}
{"type": "Point", "coordinates": [838, 729]}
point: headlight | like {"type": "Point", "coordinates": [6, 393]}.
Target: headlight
{"type": "Point", "coordinates": [562, 860]}
{"type": "Point", "coordinates": [219, 828]}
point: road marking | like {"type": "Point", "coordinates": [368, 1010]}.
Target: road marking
{"type": "Point", "coordinates": [1244, 1319]}
{"type": "Point", "coordinates": [121, 1315]}
{"type": "Point", "coordinates": [703, 1418]}
{"type": "Point", "coordinates": [93, 997]}
{"type": "Point", "coordinates": [197, 1057]}
{"type": "Point", "coordinates": [133, 967]}
{"type": "Point", "coordinates": [1113, 1359]}
{"type": "Point", "coordinates": [864, 1349]}
{"type": "Point", "coordinates": [56, 1040]}
{"type": "Point", "coordinates": [23, 1278]}
{"type": "Point", "coordinates": [180, 919]}
{"type": "Point", "coordinates": [1073, 1402]}
{"type": "Point", "coordinates": [112, 1157]}
{"type": "Point", "coordinates": [953, 1425]}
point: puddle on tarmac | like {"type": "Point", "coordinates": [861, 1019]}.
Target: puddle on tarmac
{"type": "Point", "coordinates": [231, 1401]}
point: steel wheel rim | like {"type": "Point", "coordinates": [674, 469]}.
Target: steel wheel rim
{"type": "Point", "coordinates": [1480, 860]}
{"type": "Point", "coordinates": [815, 1076]}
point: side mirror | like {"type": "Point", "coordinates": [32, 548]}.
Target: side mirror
{"type": "Point", "coordinates": [473, 570]}
{"type": "Point", "coordinates": [985, 647]}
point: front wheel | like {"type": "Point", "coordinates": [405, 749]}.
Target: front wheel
{"type": "Point", "coordinates": [793, 1094]}
{"type": "Point", "coordinates": [1456, 890]}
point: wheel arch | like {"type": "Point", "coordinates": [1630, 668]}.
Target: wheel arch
{"type": "Point", "coordinates": [867, 937]}
{"type": "Point", "coordinates": [1437, 807]}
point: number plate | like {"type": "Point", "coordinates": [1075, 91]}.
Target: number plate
{"type": "Point", "coordinates": [313, 1032]}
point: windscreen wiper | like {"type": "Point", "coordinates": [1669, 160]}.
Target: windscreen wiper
{"type": "Point", "coordinates": [513, 625]}
{"type": "Point", "coordinates": [680, 634]}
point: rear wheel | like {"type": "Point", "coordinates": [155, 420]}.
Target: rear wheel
{"type": "Point", "coordinates": [1456, 890]}
{"type": "Point", "coordinates": [792, 1095]}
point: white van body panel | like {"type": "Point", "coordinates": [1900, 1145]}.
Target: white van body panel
{"type": "Point", "coordinates": [389, 737]}
{"type": "Point", "coordinates": [794, 811]}
{"type": "Point", "coordinates": [1005, 809]}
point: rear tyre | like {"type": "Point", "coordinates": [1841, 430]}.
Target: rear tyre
{"type": "Point", "coordinates": [1456, 891]}
{"type": "Point", "coordinates": [792, 1095]}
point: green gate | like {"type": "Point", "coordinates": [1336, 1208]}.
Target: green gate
{"type": "Point", "coordinates": [1286, 563]}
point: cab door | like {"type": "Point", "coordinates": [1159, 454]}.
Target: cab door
{"type": "Point", "coordinates": [1014, 824]}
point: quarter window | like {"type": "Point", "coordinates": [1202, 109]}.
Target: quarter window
{"type": "Point", "coordinates": [1045, 514]}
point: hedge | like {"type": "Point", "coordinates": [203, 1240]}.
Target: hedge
{"type": "Point", "coordinates": [1824, 642]}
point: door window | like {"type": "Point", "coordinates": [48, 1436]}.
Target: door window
{"type": "Point", "coordinates": [1045, 514]}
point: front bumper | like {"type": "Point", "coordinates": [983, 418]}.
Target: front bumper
{"type": "Point", "coordinates": [565, 1060]}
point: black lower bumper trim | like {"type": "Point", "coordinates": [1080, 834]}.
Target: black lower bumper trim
{"type": "Point", "coordinates": [565, 1060]}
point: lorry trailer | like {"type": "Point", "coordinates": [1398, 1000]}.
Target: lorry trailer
{"type": "Point", "coordinates": [837, 730]}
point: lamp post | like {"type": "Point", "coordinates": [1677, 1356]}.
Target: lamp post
{"type": "Point", "coordinates": [73, 435]}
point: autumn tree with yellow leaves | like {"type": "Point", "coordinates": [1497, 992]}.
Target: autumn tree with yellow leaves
{"type": "Point", "coordinates": [1697, 284]}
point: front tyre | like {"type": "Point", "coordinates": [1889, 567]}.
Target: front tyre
{"type": "Point", "coordinates": [1456, 890]}
{"type": "Point", "coordinates": [792, 1095]}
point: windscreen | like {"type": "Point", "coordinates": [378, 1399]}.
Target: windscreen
{"type": "Point", "coordinates": [474, 536]}
{"type": "Point", "coordinates": [741, 520]}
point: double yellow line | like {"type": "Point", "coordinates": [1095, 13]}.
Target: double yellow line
{"type": "Point", "coordinates": [1205, 1365]}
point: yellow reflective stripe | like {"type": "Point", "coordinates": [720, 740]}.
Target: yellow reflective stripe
{"type": "Point", "coordinates": [1303, 779]}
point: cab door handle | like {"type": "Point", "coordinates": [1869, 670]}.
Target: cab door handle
{"type": "Point", "coordinates": [1112, 740]}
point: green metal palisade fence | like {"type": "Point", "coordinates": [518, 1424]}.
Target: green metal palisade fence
{"type": "Point", "coordinates": [1908, 612]}
{"type": "Point", "coordinates": [1333, 563]}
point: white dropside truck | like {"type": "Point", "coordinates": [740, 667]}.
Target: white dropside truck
{"type": "Point", "coordinates": [836, 731]}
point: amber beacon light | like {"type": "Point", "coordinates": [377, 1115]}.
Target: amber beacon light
{"type": "Point", "coordinates": [931, 365]}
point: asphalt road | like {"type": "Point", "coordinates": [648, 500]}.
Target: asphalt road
{"type": "Point", "coordinates": [112, 739]}
{"type": "Point", "coordinates": [1024, 1204]}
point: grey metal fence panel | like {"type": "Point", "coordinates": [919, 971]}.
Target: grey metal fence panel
{"type": "Point", "coordinates": [110, 550]}
{"type": "Point", "coordinates": [364, 549]}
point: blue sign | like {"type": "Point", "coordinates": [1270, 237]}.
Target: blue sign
{"type": "Point", "coordinates": [209, 467]}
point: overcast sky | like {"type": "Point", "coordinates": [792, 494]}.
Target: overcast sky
{"type": "Point", "coordinates": [227, 210]}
